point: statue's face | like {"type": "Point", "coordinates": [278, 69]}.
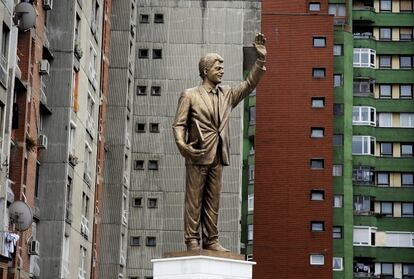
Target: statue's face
{"type": "Point", "coordinates": [215, 73]}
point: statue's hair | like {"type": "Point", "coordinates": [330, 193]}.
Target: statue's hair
{"type": "Point", "coordinates": [207, 62]}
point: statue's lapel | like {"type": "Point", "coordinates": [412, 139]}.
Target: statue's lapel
{"type": "Point", "coordinates": [207, 102]}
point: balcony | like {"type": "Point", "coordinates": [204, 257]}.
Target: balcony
{"type": "Point", "coordinates": [385, 134]}
{"type": "Point", "coordinates": [384, 223]}
{"type": "Point", "coordinates": [386, 75]}
{"type": "Point", "coordinates": [384, 254]}
{"type": "Point", "coordinates": [368, 16]}
{"type": "Point", "coordinates": [386, 105]}
{"type": "Point", "coordinates": [393, 164]}
{"type": "Point", "coordinates": [364, 15]}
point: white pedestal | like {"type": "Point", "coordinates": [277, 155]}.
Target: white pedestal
{"type": "Point", "coordinates": [201, 267]}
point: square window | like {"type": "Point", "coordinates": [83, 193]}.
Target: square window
{"type": "Point", "coordinates": [385, 91]}
{"type": "Point", "coordinates": [406, 34]}
{"type": "Point", "coordinates": [137, 202]}
{"type": "Point", "coordinates": [387, 269]}
{"type": "Point", "coordinates": [338, 139]}
{"type": "Point", "coordinates": [156, 90]}
{"type": "Point", "coordinates": [338, 109]}
{"type": "Point", "coordinates": [154, 128]}
{"type": "Point", "coordinates": [407, 150]}
{"type": "Point", "coordinates": [406, 62]}
{"type": "Point", "coordinates": [140, 127]}
{"type": "Point", "coordinates": [139, 164]}
{"type": "Point", "coordinates": [317, 132]}
{"type": "Point", "coordinates": [385, 5]}
{"type": "Point", "coordinates": [337, 170]}
{"type": "Point", "coordinates": [319, 41]}
{"type": "Point", "coordinates": [386, 149]}
{"type": "Point", "coordinates": [408, 270]}
{"type": "Point", "coordinates": [317, 259]}
{"type": "Point", "coordinates": [387, 208]}
{"type": "Point", "coordinates": [318, 72]}
{"type": "Point", "coordinates": [141, 90]}
{"type": "Point", "coordinates": [337, 80]}
{"type": "Point", "coordinates": [151, 241]}
{"type": "Point", "coordinates": [407, 179]}
{"type": "Point", "coordinates": [337, 264]}
{"type": "Point", "coordinates": [135, 241]}
{"type": "Point", "coordinates": [156, 53]}
{"type": "Point", "coordinates": [337, 232]}
{"type": "Point", "coordinates": [383, 178]}
{"type": "Point", "coordinates": [143, 18]}
{"type": "Point", "coordinates": [385, 62]}
{"type": "Point", "coordinates": [318, 102]}
{"type": "Point", "coordinates": [406, 91]}
{"type": "Point", "coordinates": [143, 53]}
{"type": "Point", "coordinates": [250, 232]}
{"type": "Point", "coordinates": [338, 50]}
{"type": "Point", "coordinates": [385, 34]}
{"type": "Point", "coordinates": [152, 202]}
{"type": "Point", "coordinates": [314, 6]}
{"type": "Point", "coordinates": [158, 18]}
{"type": "Point", "coordinates": [317, 163]}
{"type": "Point", "coordinates": [317, 195]}
{"type": "Point", "coordinates": [317, 226]}
{"type": "Point", "coordinates": [337, 201]}
{"type": "Point", "coordinates": [153, 165]}
{"type": "Point", "coordinates": [407, 209]}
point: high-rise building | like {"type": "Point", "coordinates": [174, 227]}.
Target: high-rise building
{"type": "Point", "coordinates": [334, 141]}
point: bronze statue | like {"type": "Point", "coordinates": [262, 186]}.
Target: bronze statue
{"type": "Point", "coordinates": [201, 131]}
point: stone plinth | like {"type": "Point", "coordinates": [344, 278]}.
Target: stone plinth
{"type": "Point", "coordinates": [202, 265]}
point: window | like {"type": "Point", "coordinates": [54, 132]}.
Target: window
{"type": "Point", "coordinates": [398, 239]}
{"type": "Point", "coordinates": [135, 241]}
{"type": "Point", "coordinates": [383, 179]}
{"type": "Point", "coordinates": [317, 132]}
{"type": "Point", "coordinates": [363, 87]}
{"type": "Point", "coordinates": [387, 269]}
{"type": "Point", "coordinates": [406, 150]}
{"type": "Point", "coordinates": [317, 226]}
{"type": "Point", "coordinates": [406, 91]}
{"type": "Point", "coordinates": [252, 116]}
{"type": "Point", "coordinates": [407, 179]}
{"type": "Point", "coordinates": [4, 45]}
{"type": "Point", "coordinates": [363, 175]}
{"type": "Point", "coordinates": [138, 164]}
{"type": "Point", "coordinates": [314, 6]}
{"type": "Point", "coordinates": [153, 165]}
{"type": "Point", "coordinates": [250, 202]}
{"type": "Point", "coordinates": [385, 5]}
{"type": "Point", "coordinates": [406, 6]}
{"type": "Point", "coordinates": [337, 264]}
{"type": "Point", "coordinates": [317, 259]}
{"type": "Point", "coordinates": [408, 271]}
{"type": "Point", "coordinates": [72, 138]}
{"type": "Point", "coordinates": [140, 127]}
{"type": "Point", "coordinates": [319, 41]}
{"type": "Point", "coordinates": [385, 119]}
{"type": "Point", "coordinates": [87, 175]}
{"type": "Point", "coordinates": [338, 109]}
{"type": "Point", "coordinates": [338, 139]}
{"type": "Point", "coordinates": [251, 173]}
{"type": "Point", "coordinates": [318, 102]}
{"type": "Point", "coordinates": [158, 18]}
{"type": "Point", "coordinates": [156, 53]}
{"type": "Point", "coordinates": [154, 128]}
{"type": "Point", "coordinates": [406, 62]}
{"type": "Point", "coordinates": [93, 55]}
{"type": "Point", "coordinates": [406, 34]}
{"type": "Point", "coordinates": [337, 80]}
{"type": "Point", "coordinates": [362, 204]}
{"type": "Point", "coordinates": [317, 195]}
{"type": "Point", "coordinates": [143, 53]}
{"type": "Point", "coordinates": [385, 91]}
{"type": "Point", "coordinates": [318, 72]}
{"type": "Point", "coordinates": [363, 145]}
{"type": "Point", "coordinates": [141, 90]}
{"type": "Point", "coordinates": [407, 120]}
{"type": "Point", "coordinates": [151, 241]}
{"type": "Point", "coordinates": [364, 57]}
{"type": "Point", "coordinates": [338, 50]}
{"type": "Point", "coordinates": [385, 62]}
{"type": "Point", "coordinates": [364, 236]}
{"type": "Point", "coordinates": [317, 163]}
{"type": "Point", "coordinates": [337, 232]}
{"type": "Point", "coordinates": [385, 34]}
{"type": "Point", "coordinates": [143, 18]}
{"type": "Point", "coordinates": [337, 170]}
{"type": "Point", "coordinates": [137, 202]}
{"type": "Point", "coordinates": [156, 90]}
{"type": "Point", "coordinates": [363, 116]}
{"type": "Point", "coordinates": [387, 208]}
{"type": "Point", "coordinates": [386, 149]}
{"type": "Point", "coordinates": [407, 209]}
{"type": "Point", "coordinates": [337, 201]}
{"type": "Point", "coordinates": [249, 232]}
{"type": "Point", "coordinates": [337, 10]}
{"type": "Point", "coordinates": [82, 274]}
{"type": "Point", "coordinates": [152, 202]}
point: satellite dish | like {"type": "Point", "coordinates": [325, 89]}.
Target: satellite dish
{"type": "Point", "coordinates": [20, 215]}
{"type": "Point", "coordinates": [24, 16]}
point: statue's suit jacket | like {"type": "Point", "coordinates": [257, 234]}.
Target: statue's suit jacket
{"type": "Point", "coordinates": [195, 106]}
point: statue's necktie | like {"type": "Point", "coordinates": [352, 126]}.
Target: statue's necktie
{"type": "Point", "coordinates": [215, 105]}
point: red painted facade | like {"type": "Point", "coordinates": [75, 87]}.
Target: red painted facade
{"type": "Point", "coordinates": [283, 240]}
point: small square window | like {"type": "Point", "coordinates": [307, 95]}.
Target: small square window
{"type": "Point", "coordinates": [337, 232]}
{"type": "Point", "coordinates": [337, 264]}
{"type": "Point", "coordinates": [156, 90]}
{"type": "Point", "coordinates": [319, 41]}
{"type": "Point", "coordinates": [387, 208]}
{"type": "Point", "coordinates": [154, 128]}
{"type": "Point", "coordinates": [406, 34]}
{"type": "Point", "coordinates": [317, 226]}
{"type": "Point", "coordinates": [317, 195]}
{"type": "Point", "coordinates": [385, 34]}
{"type": "Point", "coordinates": [137, 202]}
{"type": "Point", "coordinates": [407, 209]}
{"type": "Point", "coordinates": [133, 277]}
{"type": "Point", "coordinates": [314, 6]}
{"type": "Point", "coordinates": [143, 18]}
{"type": "Point", "coordinates": [135, 241]}
{"type": "Point", "coordinates": [317, 163]}
{"type": "Point", "coordinates": [152, 202]}
{"type": "Point", "coordinates": [386, 149]}
{"type": "Point", "coordinates": [141, 90]}
{"type": "Point", "coordinates": [407, 150]}
{"type": "Point", "coordinates": [337, 80]}
{"type": "Point", "coordinates": [385, 91]}
{"type": "Point", "coordinates": [156, 53]}
{"type": "Point", "coordinates": [139, 165]}
{"type": "Point", "coordinates": [338, 50]}
{"type": "Point", "coordinates": [385, 5]}
{"type": "Point", "coordinates": [318, 72]}
{"type": "Point", "coordinates": [317, 259]}
{"type": "Point", "coordinates": [153, 165]}
{"type": "Point", "coordinates": [406, 62]}
{"type": "Point", "coordinates": [140, 127]}
{"type": "Point", "coordinates": [337, 170]}
{"type": "Point", "coordinates": [317, 132]}
{"type": "Point", "coordinates": [406, 91]}
{"type": "Point", "coordinates": [338, 109]}
{"type": "Point", "coordinates": [385, 62]}
{"type": "Point", "coordinates": [318, 102]}
{"type": "Point", "coordinates": [383, 178]}
{"type": "Point", "coordinates": [337, 201]}
{"type": "Point", "coordinates": [151, 241]}
{"type": "Point", "coordinates": [407, 179]}
{"type": "Point", "coordinates": [143, 53]}
{"type": "Point", "coordinates": [406, 6]}
{"type": "Point", "coordinates": [338, 139]}
{"type": "Point", "coordinates": [158, 18]}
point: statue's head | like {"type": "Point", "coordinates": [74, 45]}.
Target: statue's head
{"type": "Point", "coordinates": [211, 67]}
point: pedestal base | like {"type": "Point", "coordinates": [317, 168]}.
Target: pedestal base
{"type": "Point", "coordinates": [201, 267]}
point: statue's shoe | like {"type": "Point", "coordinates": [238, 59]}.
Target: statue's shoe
{"type": "Point", "coordinates": [215, 247]}
{"type": "Point", "coordinates": [193, 245]}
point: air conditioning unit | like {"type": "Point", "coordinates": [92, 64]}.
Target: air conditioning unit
{"type": "Point", "coordinates": [44, 67]}
{"type": "Point", "coordinates": [34, 247]}
{"type": "Point", "coordinates": [73, 160]}
{"type": "Point", "coordinates": [42, 141]}
{"type": "Point", "coordinates": [47, 4]}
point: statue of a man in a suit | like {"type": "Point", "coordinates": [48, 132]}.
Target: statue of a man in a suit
{"type": "Point", "coordinates": [201, 131]}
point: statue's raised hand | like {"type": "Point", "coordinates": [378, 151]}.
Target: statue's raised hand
{"type": "Point", "coordinates": [259, 44]}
